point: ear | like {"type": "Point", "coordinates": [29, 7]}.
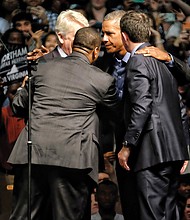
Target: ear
{"type": "Point", "coordinates": [60, 38]}
{"type": "Point", "coordinates": [124, 37]}
{"type": "Point", "coordinates": [96, 52]}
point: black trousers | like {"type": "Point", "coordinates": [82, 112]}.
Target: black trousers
{"type": "Point", "coordinates": [157, 190]}
{"type": "Point", "coordinates": [126, 181]}
{"type": "Point", "coordinates": [56, 193]}
{"type": "Point", "coordinates": [128, 193]}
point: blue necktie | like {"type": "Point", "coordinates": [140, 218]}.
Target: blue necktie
{"type": "Point", "coordinates": [119, 75]}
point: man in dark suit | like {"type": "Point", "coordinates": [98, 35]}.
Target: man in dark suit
{"type": "Point", "coordinates": [116, 67]}
{"type": "Point", "coordinates": [114, 45]}
{"type": "Point", "coordinates": [64, 132]}
{"type": "Point", "coordinates": [154, 146]}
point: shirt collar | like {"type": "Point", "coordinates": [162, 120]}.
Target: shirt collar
{"type": "Point", "coordinates": [125, 58]}
{"type": "Point", "coordinates": [61, 52]}
{"type": "Point", "coordinates": [135, 49]}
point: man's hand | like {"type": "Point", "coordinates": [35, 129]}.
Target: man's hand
{"type": "Point", "coordinates": [37, 53]}
{"type": "Point", "coordinates": [110, 156]}
{"type": "Point", "coordinates": [24, 81]}
{"type": "Point", "coordinates": [123, 156]}
{"type": "Point", "coordinates": [184, 167]}
{"type": "Point", "coordinates": [37, 36]}
{"type": "Point", "coordinates": [154, 52]}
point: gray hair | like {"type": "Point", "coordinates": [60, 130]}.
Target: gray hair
{"type": "Point", "coordinates": [115, 16]}
{"type": "Point", "coordinates": [67, 21]}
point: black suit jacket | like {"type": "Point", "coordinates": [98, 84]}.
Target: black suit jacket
{"type": "Point", "coordinates": [152, 113]}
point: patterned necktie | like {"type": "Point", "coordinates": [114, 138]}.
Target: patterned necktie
{"type": "Point", "coordinates": [119, 75]}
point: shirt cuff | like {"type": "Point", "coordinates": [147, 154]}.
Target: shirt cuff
{"type": "Point", "coordinates": [170, 63]}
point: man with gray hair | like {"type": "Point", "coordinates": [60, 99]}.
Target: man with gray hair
{"type": "Point", "coordinates": [67, 24]}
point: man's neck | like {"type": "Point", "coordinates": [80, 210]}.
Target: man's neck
{"type": "Point", "coordinates": [135, 47]}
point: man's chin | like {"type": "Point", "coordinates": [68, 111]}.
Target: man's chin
{"type": "Point", "coordinates": [110, 50]}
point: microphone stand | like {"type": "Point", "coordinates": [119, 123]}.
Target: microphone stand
{"type": "Point", "coordinates": [29, 143]}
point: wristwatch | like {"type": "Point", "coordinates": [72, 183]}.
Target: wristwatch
{"type": "Point", "coordinates": [125, 144]}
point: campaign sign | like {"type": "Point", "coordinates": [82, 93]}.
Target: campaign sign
{"type": "Point", "coordinates": [13, 66]}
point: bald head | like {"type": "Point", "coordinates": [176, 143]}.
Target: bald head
{"type": "Point", "coordinates": [87, 38]}
{"type": "Point", "coordinates": [88, 42]}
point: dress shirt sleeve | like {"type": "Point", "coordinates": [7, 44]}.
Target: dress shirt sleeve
{"type": "Point", "coordinates": [170, 63]}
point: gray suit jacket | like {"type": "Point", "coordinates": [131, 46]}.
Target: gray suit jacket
{"type": "Point", "coordinates": [64, 128]}
{"type": "Point", "coordinates": [152, 114]}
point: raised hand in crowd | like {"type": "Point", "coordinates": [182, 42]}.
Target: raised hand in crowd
{"type": "Point", "coordinates": [36, 36]}
{"type": "Point", "coordinates": [39, 12]}
{"type": "Point", "coordinates": [185, 7]}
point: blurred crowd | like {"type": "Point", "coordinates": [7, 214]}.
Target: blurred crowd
{"type": "Point", "coordinates": [35, 20]}
{"type": "Point", "coordinates": [170, 20]}
{"type": "Point", "coordinates": [31, 23]}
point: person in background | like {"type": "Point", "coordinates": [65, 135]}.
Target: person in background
{"type": "Point", "coordinates": [11, 40]}
{"type": "Point", "coordinates": [58, 6]}
{"type": "Point", "coordinates": [50, 41]}
{"type": "Point", "coordinates": [10, 128]}
{"type": "Point", "coordinates": [94, 204]}
{"type": "Point", "coordinates": [40, 14]}
{"type": "Point", "coordinates": [187, 209]}
{"type": "Point", "coordinates": [179, 46]}
{"type": "Point", "coordinates": [11, 37]}
{"type": "Point", "coordinates": [183, 192]}
{"type": "Point", "coordinates": [4, 25]}
{"type": "Point", "coordinates": [23, 21]}
{"type": "Point", "coordinates": [95, 12]}
{"type": "Point", "coordinates": [157, 167]}
{"type": "Point", "coordinates": [133, 5]}
{"type": "Point", "coordinates": [7, 9]}
{"type": "Point", "coordinates": [106, 196]}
